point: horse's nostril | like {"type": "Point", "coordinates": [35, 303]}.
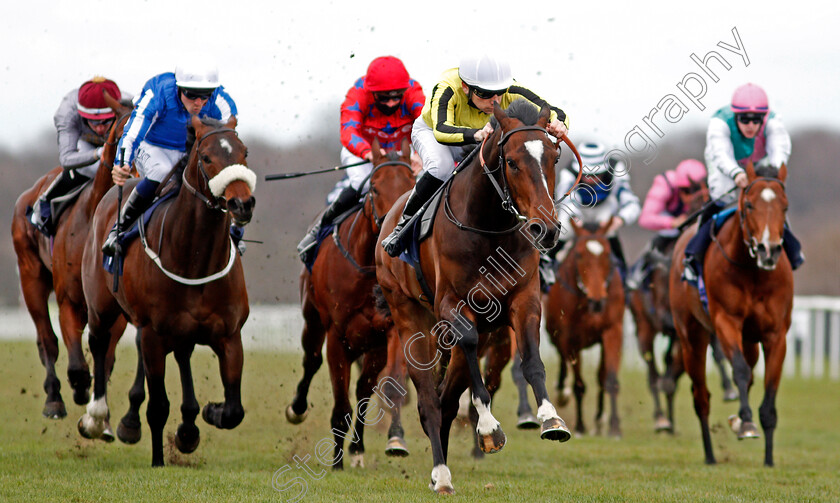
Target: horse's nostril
{"type": "Point", "coordinates": [536, 229]}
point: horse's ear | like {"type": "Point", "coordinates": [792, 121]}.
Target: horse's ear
{"type": "Point", "coordinates": [545, 115]}
{"type": "Point", "coordinates": [375, 150]}
{"type": "Point", "coordinates": [574, 225]}
{"type": "Point", "coordinates": [602, 229]}
{"type": "Point", "coordinates": [232, 122]}
{"type": "Point", "coordinates": [500, 115]}
{"type": "Point", "coordinates": [782, 172]}
{"type": "Point", "coordinates": [113, 103]}
{"type": "Point", "coordinates": [405, 147]}
{"type": "Point", "coordinates": [750, 169]}
{"type": "Point", "coordinates": [198, 126]}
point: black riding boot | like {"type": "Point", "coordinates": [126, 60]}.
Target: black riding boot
{"type": "Point", "coordinates": [41, 216]}
{"type": "Point", "coordinates": [425, 188]}
{"type": "Point", "coordinates": [134, 207]}
{"type": "Point", "coordinates": [695, 250]}
{"type": "Point", "coordinates": [345, 200]}
{"type": "Point", "coordinates": [618, 253]}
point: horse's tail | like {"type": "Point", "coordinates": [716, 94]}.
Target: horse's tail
{"type": "Point", "coordinates": [382, 306]}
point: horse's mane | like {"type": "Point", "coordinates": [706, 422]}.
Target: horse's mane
{"type": "Point", "coordinates": [520, 109]}
{"type": "Point", "coordinates": [592, 226]}
{"type": "Point", "coordinates": [209, 121]}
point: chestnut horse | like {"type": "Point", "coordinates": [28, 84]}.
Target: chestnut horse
{"type": "Point", "coordinates": [650, 306]}
{"type": "Point", "coordinates": [337, 299]}
{"type": "Point", "coordinates": [55, 265]}
{"type": "Point", "coordinates": [182, 285]}
{"type": "Point", "coordinates": [494, 210]}
{"type": "Point", "coordinates": [749, 284]}
{"type": "Point", "coordinates": [584, 307]}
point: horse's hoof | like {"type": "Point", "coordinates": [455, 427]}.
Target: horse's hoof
{"type": "Point", "coordinates": [493, 442]}
{"type": "Point", "coordinates": [615, 433]}
{"type": "Point", "coordinates": [748, 430]}
{"type": "Point", "coordinates": [187, 438]}
{"type": "Point", "coordinates": [128, 434]}
{"type": "Point", "coordinates": [107, 434]}
{"type": "Point", "coordinates": [293, 417]}
{"type": "Point", "coordinates": [441, 480]}
{"type": "Point", "coordinates": [555, 428]}
{"type": "Point", "coordinates": [396, 447]}
{"type": "Point", "coordinates": [730, 395]}
{"type": "Point", "coordinates": [357, 460]}
{"type": "Point", "coordinates": [661, 424]}
{"type": "Point", "coordinates": [88, 428]}
{"type": "Point", "coordinates": [734, 423]}
{"type": "Point", "coordinates": [528, 421]}
{"type": "Point", "coordinates": [55, 410]}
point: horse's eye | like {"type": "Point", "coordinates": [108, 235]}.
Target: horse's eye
{"type": "Point", "coordinates": [206, 159]}
{"type": "Point", "coordinates": [246, 152]}
{"type": "Point", "coordinates": [556, 160]}
{"type": "Point", "coordinates": [748, 205]}
{"type": "Point", "coordinates": [512, 164]}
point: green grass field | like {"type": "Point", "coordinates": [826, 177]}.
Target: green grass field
{"type": "Point", "coordinates": [46, 460]}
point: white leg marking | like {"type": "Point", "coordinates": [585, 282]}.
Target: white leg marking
{"type": "Point", "coordinates": [98, 409]}
{"type": "Point", "coordinates": [357, 461]}
{"type": "Point", "coordinates": [441, 477]}
{"type": "Point", "coordinates": [487, 424]}
{"type": "Point", "coordinates": [546, 411]}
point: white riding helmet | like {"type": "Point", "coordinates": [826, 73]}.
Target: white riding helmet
{"type": "Point", "coordinates": [485, 72]}
{"type": "Point", "coordinates": [593, 154]}
{"type": "Point", "coordinates": [197, 76]}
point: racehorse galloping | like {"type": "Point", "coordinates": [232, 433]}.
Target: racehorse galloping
{"type": "Point", "coordinates": [749, 284]}
{"type": "Point", "coordinates": [338, 305]}
{"type": "Point", "coordinates": [480, 264]}
{"type": "Point", "coordinates": [55, 265]}
{"type": "Point", "coordinates": [193, 292]}
{"type": "Point", "coordinates": [584, 307]}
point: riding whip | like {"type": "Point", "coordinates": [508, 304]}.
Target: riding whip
{"type": "Point", "coordinates": [119, 210]}
{"type": "Point", "coordinates": [283, 176]}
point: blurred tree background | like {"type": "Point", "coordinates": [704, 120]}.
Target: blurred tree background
{"type": "Point", "coordinates": [286, 207]}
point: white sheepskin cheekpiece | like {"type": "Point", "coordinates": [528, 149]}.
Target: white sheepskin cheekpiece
{"type": "Point", "coordinates": [234, 172]}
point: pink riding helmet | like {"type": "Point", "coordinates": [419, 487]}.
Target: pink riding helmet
{"type": "Point", "coordinates": [687, 171]}
{"type": "Point", "coordinates": [750, 98]}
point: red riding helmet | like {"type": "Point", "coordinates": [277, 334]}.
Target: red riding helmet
{"type": "Point", "coordinates": [386, 74]}
{"type": "Point", "coordinates": [92, 98]}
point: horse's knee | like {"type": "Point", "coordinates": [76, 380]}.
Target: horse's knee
{"type": "Point", "coordinates": [157, 412]}
{"type": "Point", "coordinates": [767, 415]}
{"type": "Point", "coordinates": [741, 371]}
{"type": "Point", "coordinates": [579, 388]}
{"type": "Point", "coordinates": [611, 383]}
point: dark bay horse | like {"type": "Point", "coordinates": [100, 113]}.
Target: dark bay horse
{"type": "Point", "coordinates": [480, 264]}
{"type": "Point", "coordinates": [182, 285]}
{"type": "Point", "coordinates": [584, 307]}
{"type": "Point", "coordinates": [650, 305]}
{"type": "Point", "coordinates": [337, 299]}
{"type": "Point", "coordinates": [55, 265]}
{"type": "Point", "coordinates": [749, 284]}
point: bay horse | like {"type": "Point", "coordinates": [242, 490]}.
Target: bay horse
{"type": "Point", "coordinates": [650, 305]}
{"type": "Point", "coordinates": [497, 209]}
{"type": "Point", "coordinates": [182, 285]}
{"type": "Point", "coordinates": [47, 265]}
{"type": "Point", "coordinates": [338, 304]}
{"type": "Point", "coordinates": [749, 285]}
{"type": "Point", "coordinates": [584, 307]}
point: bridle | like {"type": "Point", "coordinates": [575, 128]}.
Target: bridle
{"type": "Point", "coordinates": [217, 203]}
{"type": "Point", "coordinates": [749, 240]}
{"type": "Point", "coordinates": [377, 219]}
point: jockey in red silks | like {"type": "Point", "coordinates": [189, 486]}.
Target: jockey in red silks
{"type": "Point", "coordinates": [745, 131]}
{"type": "Point", "coordinates": [382, 104]}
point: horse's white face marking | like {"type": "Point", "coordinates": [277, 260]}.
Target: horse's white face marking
{"type": "Point", "coordinates": [546, 411]}
{"type": "Point", "coordinates": [595, 247]}
{"type": "Point", "coordinates": [536, 148]}
{"type": "Point", "coordinates": [768, 194]}
{"type": "Point", "coordinates": [487, 424]}
{"type": "Point", "coordinates": [226, 145]}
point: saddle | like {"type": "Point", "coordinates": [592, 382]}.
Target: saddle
{"type": "Point", "coordinates": [326, 231]}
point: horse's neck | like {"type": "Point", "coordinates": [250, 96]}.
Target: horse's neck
{"type": "Point", "coordinates": [731, 240]}
{"type": "Point", "coordinates": [359, 236]}
{"type": "Point", "coordinates": [102, 181]}
{"type": "Point", "coordinates": [476, 203]}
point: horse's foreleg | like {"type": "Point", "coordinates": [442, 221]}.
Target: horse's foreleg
{"type": "Point", "coordinates": [526, 326]}
{"type": "Point", "coordinates": [674, 368]}
{"type": "Point", "coordinates": [579, 389]}
{"type": "Point", "coordinates": [128, 431]}
{"type": "Point", "coordinates": [312, 342]}
{"type": "Point", "coordinates": [93, 422]}
{"type": "Point", "coordinates": [392, 389]}
{"type": "Point", "coordinates": [611, 356]}
{"type": "Point", "coordinates": [729, 393]}
{"type": "Point", "coordinates": [743, 424]}
{"type": "Point", "coordinates": [229, 414]}
{"type": "Point", "coordinates": [694, 343]}
{"type": "Point", "coordinates": [457, 380]}
{"type": "Point", "coordinates": [36, 285]}
{"type": "Point", "coordinates": [341, 420]}
{"type": "Point", "coordinates": [157, 410]}
{"type": "Point", "coordinates": [774, 358]}
{"type": "Point", "coordinates": [187, 437]}
{"type": "Point", "coordinates": [526, 419]}
{"type": "Point", "coordinates": [72, 319]}
{"type": "Point", "coordinates": [374, 362]}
